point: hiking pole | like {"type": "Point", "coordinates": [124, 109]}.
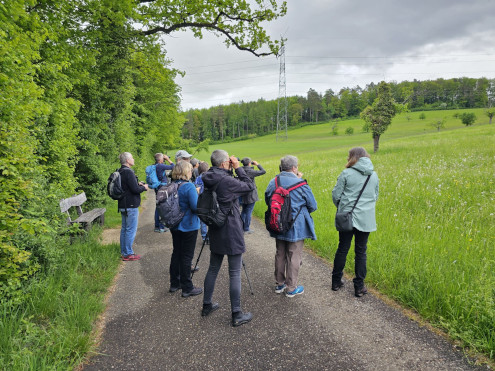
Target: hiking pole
{"type": "Point", "coordinates": [249, 282]}
{"type": "Point", "coordinates": [199, 256]}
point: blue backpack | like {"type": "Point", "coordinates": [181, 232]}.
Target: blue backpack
{"type": "Point", "coordinates": [152, 178]}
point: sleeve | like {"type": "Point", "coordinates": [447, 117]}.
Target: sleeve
{"type": "Point", "coordinates": [259, 172]}
{"type": "Point", "coordinates": [338, 189]}
{"type": "Point", "coordinates": [243, 184]}
{"type": "Point", "coordinates": [192, 197]}
{"type": "Point", "coordinates": [132, 183]}
{"type": "Point", "coordinates": [310, 199]}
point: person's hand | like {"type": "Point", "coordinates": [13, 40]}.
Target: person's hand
{"type": "Point", "coordinates": [165, 157]}
{"type": "Point", "coordinates": [255, 163]}
{"type": "Point", "coordinates": [198, 189]}
{"type": "Point", "coordinates": [299, 174]}
{"type": "Point", "coordinates": [234, 162]}
{"type": "Point", "coordinates": [145, 186]}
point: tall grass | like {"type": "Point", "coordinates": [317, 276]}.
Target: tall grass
{"type": "Point", "coordinates": [434, 247]}
{"type": "Point", "coordinates": [52, 329]}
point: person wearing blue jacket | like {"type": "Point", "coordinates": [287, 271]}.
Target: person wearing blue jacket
{"type": "Point", "coordinates": [345, 193]}
{"type": "Point", "coordinates": [185, 234]}
{"type": "Point", "coordinates": [288, 257]}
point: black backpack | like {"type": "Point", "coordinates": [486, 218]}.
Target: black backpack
{"type": "Point", "coordinates": [167, 201]}
{"type": "Point", "coordinates": [114, 186]}
{"type": "Point", "coordinates": [208, 208]}
{"type": "Point", "coordinates": [278, 217]}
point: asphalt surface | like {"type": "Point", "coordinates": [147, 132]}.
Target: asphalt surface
{"type": "Point", "coordinates": [148, 328]}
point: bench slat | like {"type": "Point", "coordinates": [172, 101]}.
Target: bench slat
{"type": "Point", "coordinates": [67, 203]}
{"type": "Point", "coordinates": [89, 216]}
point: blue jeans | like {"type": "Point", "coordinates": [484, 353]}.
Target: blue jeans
{"type": "Point", "coordinates": [235, 264]}
{"type": "Point", "coordinates": [247, 211]}
{"type": "Point", "coordinates": [128, 231]}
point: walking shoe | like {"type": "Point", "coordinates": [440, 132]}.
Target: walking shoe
{"type": "Point", "coordinates": [337, 286]}
{"type": "Point", "coordinates": [157, 230]}
{"type": "Point", "coordinates": [195, 291]}
{"type": "Point", "coordinates": [360, 292]}
{"type": "Point", "coordinates": [173, 289]}
{"type": "Point", "coordinates": [163, 230]}
{"type": "Point", "coordinates": [239, 318]}
{"type": "Point", "coordinates": [208, 308]}
{"type": "Point", "coordinates": [249, 231]}
{"type": "Point", "coordinates": [280, 288]}
{"type": "Point", "coordinates": [298, 290]}
{"type": "Point", "coordinates": [194, 269]}
{"type": "Point", "coordinates": [131, 257]}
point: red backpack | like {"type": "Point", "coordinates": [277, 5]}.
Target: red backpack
{"type": "Point", "coordinates": [278, 217]}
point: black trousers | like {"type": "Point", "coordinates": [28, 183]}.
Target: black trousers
{"type": "Point", "coordinates": [360, 246]}
{"type": "Point", "coordinates": [182, 255]}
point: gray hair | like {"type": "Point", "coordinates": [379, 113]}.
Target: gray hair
{"type": "Point", "coordinates": [288, 162]}
{"type": "Point", "coordinates": [124, 157]}
{"type": "Point", "coordinates": [218, 156]}
{"type": "Point", "coordinates": [158, 156]}
{"type": "Point", "coordinates": [194, 162]}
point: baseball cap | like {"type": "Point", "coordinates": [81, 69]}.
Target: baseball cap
{"type": "Point", "coordinates": [182, 154]}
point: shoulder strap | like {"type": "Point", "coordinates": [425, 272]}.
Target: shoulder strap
{"type": "Point", "coordinates": [297, 185]}
{"type": "Point", "coordinates": [360, 193]}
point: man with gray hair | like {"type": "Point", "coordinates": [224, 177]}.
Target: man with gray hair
{"type": "Point", "coordinates": [289, 245]}
{"type": "Point", "coordinates": [129, 206]}
{"type": "Point", "coordinates": [228, 239]}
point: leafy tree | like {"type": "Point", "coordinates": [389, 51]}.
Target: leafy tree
{"type": "Point", "coordinates": [468, 118]}
{"type": "Point", "coordinates": [422, 116]}
{"type": "Point", "coordinates": [490, 112]}
{"type": "Point", "coordinates": [349, 131]}
{"type": "Point", "coordinates": [379, 115]}
{"type": "Point", "coordinates": [438, 124]}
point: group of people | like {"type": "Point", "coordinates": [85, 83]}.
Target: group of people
{"type": "Point", "coordinates": [356, 191]}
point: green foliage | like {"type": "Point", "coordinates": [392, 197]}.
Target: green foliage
{"type": "Point", "coordinates": [490, 112]}
{"type": "Point", "coordinates": [422, 116]}
{"type": "Point", "coordinates": [335, 130]}
{"type": "Point", "coordinates": [349, 130]}
{"type": "Point", "coordinates": [438, 124]}
{"type": "Point", "coordinates": [468, 118]}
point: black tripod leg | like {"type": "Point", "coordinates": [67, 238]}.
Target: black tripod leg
{"type": "Point", "coordinates": [199, 256]}
{"type": "Point", "coordinates": [249, 281]}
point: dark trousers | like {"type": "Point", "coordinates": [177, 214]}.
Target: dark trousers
{"type": "Point", "coordinates": [182, 255]}
{"type": "Point", "coordinates": [360, 246]}
{"type": "Point", "coordinates": [235, 264]}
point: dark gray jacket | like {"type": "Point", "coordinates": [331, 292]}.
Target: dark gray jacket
{"type": "Point", "coordinates": [252, 197]}
{"type": "Point", "coordinates": [229, 239]}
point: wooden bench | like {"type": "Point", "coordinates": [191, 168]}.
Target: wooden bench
{"type": "Point", "coordinates": [84, 218]}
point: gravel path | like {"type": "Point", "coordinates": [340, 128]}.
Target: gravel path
{"type": "Point", "coordinates": [147, 328]}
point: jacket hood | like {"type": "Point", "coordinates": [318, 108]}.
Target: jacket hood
{"type": "Point", "coordinates": [214, 175]}
{"type": "Point", "coordinates": [364, 166]}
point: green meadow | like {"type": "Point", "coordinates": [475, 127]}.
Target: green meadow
{"type": "Point", "coordinates": [434, 247]}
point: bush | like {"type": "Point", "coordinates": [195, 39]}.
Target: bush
{"type": "Point", "coordinates": [468, 118]}
{"type": "Point", "coordinates": [422, 116]}
{"type": "Point", "coordinates": [365, 128]}
{"type": "Point", "coordinates": [349, 131]}
{"type": "Point", "coordinates": [335, 130]}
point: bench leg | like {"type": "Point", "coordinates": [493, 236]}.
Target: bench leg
{"type": "Point", "coordinates": [102, 219]}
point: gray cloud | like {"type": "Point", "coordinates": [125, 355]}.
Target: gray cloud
{"type": "Point", "coordinates": [333, 44]}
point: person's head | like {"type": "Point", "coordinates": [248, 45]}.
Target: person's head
{"type": "Point", "coordinates": [159, 158]}
{"type": "Point", "coordinates": [182, 155]}
{"type": "Point", "coordinates": [203, 167]}
{"type": "Point", "coordinates": [219, 157]}
{"type": "Point", "coordinates": [126, 159]}
{"type": "Point", "coordinates": [182, 170]}
{"type": "Point", "coordinates": [194, 162]}
{"type": "Point", "coordinates": [355, 154]}
{"type": "Point", "coordinates": [289, 163]}
{"type": "Point", "coordinates": [246, 161]}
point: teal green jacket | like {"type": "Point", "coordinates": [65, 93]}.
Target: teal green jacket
{"type": "Point", "coordinates": [346, 191]}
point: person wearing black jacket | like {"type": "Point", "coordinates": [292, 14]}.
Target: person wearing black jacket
{"type": "Point", "coordinates": [249, 200]}
{"type": "Point", "coordinates": [228, 239]}
{"type": "Point", "coordinates": [129, 206]}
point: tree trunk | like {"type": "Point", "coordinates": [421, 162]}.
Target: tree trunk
{"type": "Point", "coordinates": [376, 142]}
{"type": "Point", "coordinates": [490, 120]}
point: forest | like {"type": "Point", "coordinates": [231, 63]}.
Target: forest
{"type": "Point", "coordinates": [245, 119]}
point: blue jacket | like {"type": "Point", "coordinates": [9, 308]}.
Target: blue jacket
{"type": "Point", "coordinates": [300, 198]}
{"type": "Point", "coordinates": [188, 200]}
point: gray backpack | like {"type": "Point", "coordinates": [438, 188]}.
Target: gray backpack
{"type": "Point", "coordinates": [167, 201]}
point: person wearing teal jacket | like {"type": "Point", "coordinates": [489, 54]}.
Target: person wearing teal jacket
{"type": "Point", "coordinates": [344, 195]}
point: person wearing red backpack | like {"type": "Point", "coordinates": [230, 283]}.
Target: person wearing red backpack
{"type": "Point", "coordinates": [289, 244]}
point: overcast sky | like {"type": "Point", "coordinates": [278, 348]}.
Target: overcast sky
{"type": "Point", "coordinates": [342, 43]}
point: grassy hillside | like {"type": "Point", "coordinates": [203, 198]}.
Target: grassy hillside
{"type": "Point", "coordinates": [434, 248]}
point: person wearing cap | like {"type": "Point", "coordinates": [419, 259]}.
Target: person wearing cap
{"type": "Point", "coordinates": [182, 154]}
{"type": "Point", "coordinates": [249, 200]}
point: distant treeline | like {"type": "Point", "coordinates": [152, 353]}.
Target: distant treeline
{"type": "Point", "coordinates": [236, 120]}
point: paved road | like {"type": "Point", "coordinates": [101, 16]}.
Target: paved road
{"type": "Point", "coordinates": [147, 328]}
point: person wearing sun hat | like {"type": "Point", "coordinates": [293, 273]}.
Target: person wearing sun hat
{"type": "Point", "coordinates": [182, 154]}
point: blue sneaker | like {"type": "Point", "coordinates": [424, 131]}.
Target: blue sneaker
{"type": "Point", "coordinates": [280, 288]}
{"type": "Point", "coordinates": [298, 290]}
